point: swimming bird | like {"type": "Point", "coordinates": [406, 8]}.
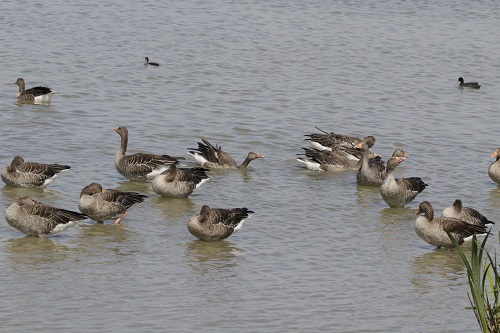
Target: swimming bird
{"type": "Point", "coordinates": [397, 192]}
{"type": "Point", "coordinates": [140, 166]}
{"type": "Point", "coordinates": [474, 85]}
{"type": "Point", "coordinates": [30, 174]}
{"type": "Point", "coordinates": [345, 143]}
{"type": "Point", "coordinates": [34, 218]}
{"type": "Point", "coordinates": [105, 204]}
{"type": "Point", "coordinates": [494, 169]}
{"type": "Point", "coordinates": [467, 214]}
{"type": "Point", "coordinates": [433, 229]}
{"type": "Point", "coordinates": [372, 171]}
{"type": "Point", "coordinates": [39, 95]}
{"type": "Point", "coordinates": [215, 158]}
{"type": "Point", "coordinates": [324, 160]}
{"type": "Point", "coordinates": [213, 224]}
{"type": "Point", "coordinates": [146, 62]}
{"type": "Point", "coordinates": [179, 182]}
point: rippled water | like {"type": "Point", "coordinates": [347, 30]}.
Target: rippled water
{"type": "Point", "coordinates": [320, 253]}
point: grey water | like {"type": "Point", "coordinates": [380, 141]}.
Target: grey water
{"type": "Point", "coordinates": [320, 253]}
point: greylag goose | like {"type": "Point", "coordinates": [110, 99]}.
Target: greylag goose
{"type": "Point", "coordinates": [372, 171]}
{"type": "Point", "coordinates": [433, 229]}
{"type": "Point", "coordinates": [467, 214]}
{"type": "Point", "coordinates": [105, 204]}
{"type": "Point", "coordinates": [179, 182]}
{"type": "Point", "coordinates": [213, 224]}
{"type": "Point", "coordinates": [474, 85]}
{"type": "Point", "coordinates": [494, 169]}
{"type": "Point", "coordinates": [36, 95]}
{"type": "Point", "coordinates": [324, 160]}
{"type": "Point", "coordinates": [139, 166]}
{"type": "Point", "coordinates": [30, 174]}
{"type": "Point", "coordinates": [397, 192]}
{"type": "Point", "coordinates": [215, 158]}
{"type": "Point", "coordinates": [34, 218]}
{"type": "Point", "coordinates": [146, 62]}
{"type": "Point", "coordinates": [327, 141]}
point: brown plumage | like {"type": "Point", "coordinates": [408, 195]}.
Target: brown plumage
{"type": "Point", "coordinates": [36, 94]}
{"type": "Point", "coordinates": [179, 182]}
{"type": "Point", "coordinates": [213, 224]}
{"type": "Point", "coordinates": [467, 214]}
{"type": "Point", "coordinates": [433, 229]}
{"type": "Point", "coordinates": [397, 192]}
{"type": "Point", "coordinates": [372, 171]}
{"type": "Point", "coordinates": [214, 157]}
{"type": "Point", "coordinates": [104, 204]}
{"type": "Point", "coordinates": [140, 166]}
{"type": "Point", "coordinates": [494, 169]}
{"type": "Point", "coordinates": [34, 218]}
{"type": "Point", "coordinates": [30, 174]}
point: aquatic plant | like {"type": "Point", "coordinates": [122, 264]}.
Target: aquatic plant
{"type": "Point", "coordinates": [484, 283]}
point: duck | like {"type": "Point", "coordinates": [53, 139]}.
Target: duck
{"type": "Point", "coordinates": [146, 62]}
{"type": "Point", "coordinates": [397, 192]}
{"type": "Point", "coordinates": [494, 169]}
{"type": "Point", "coordinates": [104, 204]}
{"type": "Point", "coordinates": [31, 174]}
{"type": "Point", "coordinates": [433, 229]}
{"type": "Point", "coordinates": [214, 224]}
{"type": "Point", "coordinates": [179, 182]}
{"type": "Point", "coordinates": [34, 218]}
{"type": "Point", "coordinates": [38, 95]}
{"type": "Point", "coordinates": [326, 141]}
{"type": "Point", "coordinates": [473, 85]}
{"type": "Point", "coordinates": [213, 157]}
{"type": "Point", "coordinates": [139, 166]}
{"type": "Point", "coordinates": [467, 214]}
{"type": "Point", "coordinates": [372, 172]}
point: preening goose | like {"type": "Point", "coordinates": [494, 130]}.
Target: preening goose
{"type": "Point", "coordinates": [345, 143]}
{"type": "Point", "coordinates": [324, 160]}
{"type": "Point", "coordinates": [146, 62]}
{"type": "Point", "coordinates": [214, 157]}
{"type": "Point", "coordinates": [494, 169]}
{"type": "Point", "coordinates": [397, 192]}
{"type": "Point", "coordinates": [473, 85]}
{"type": "Point", "coordinates": [179, 182]}
{"type": "Point", "coordinates": [467, 214]}
{"type": "Point", "coordinates": [139, 166]}
{"type": "Point", "coordinates": [433, 229]}
{"type": "Point", "coordinates": [213, 224]}
{"type": "Point", "coordinates": [39, 94]}
{"type": "Point", "coordinates": [34, 218]}
{"type": "Point", "coordinates": [30, 174]}
{"type": "Point", "coordinates": [105, 204]}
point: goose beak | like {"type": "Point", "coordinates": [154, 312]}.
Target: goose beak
{"type": "Point", "coordinates": [259, 155]}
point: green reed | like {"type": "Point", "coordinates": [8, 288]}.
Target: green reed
{"type": "Point", "coordinates": [484, 283]}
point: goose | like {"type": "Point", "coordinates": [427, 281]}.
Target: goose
{"type": "Point", "coordinates": [30, 174]}
{"type": "Point", "coordinates": [179, 182]}
{"type": "Point", "coordinates": [146, 62]}
{"type": "Point", "coordinates": [372, 172]}
{"type": "Point", "coordinates": [346, 143]}
{"type": "Point", "coordinates": [467, 214]}
{"type": "Point", "coordinates": [105, 204]}
{"type": "Point", "coordinates": [34, 218]}
{"type": "Point", "coordinates": [433, 229]}
{"type": "Point", "coordinates": [397, 192]}
{"type": "Point", "coordinates": [140, 166]}
{"type": "Point", "coordinates": [213, 224]}
{"type": "Point", "coordinates": [36, 94]}
{"type": "Point", "coordinates": [474, 85]}
{"type": "Point", "coordinates": [494, 169]}
{"type": "Point", "coordinates": [214, 158]}
{"type": "Point", "coordinates": [324, 160]}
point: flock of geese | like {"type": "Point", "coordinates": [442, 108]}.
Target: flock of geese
{"type": "Point", "coordinates": [327, 152]}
